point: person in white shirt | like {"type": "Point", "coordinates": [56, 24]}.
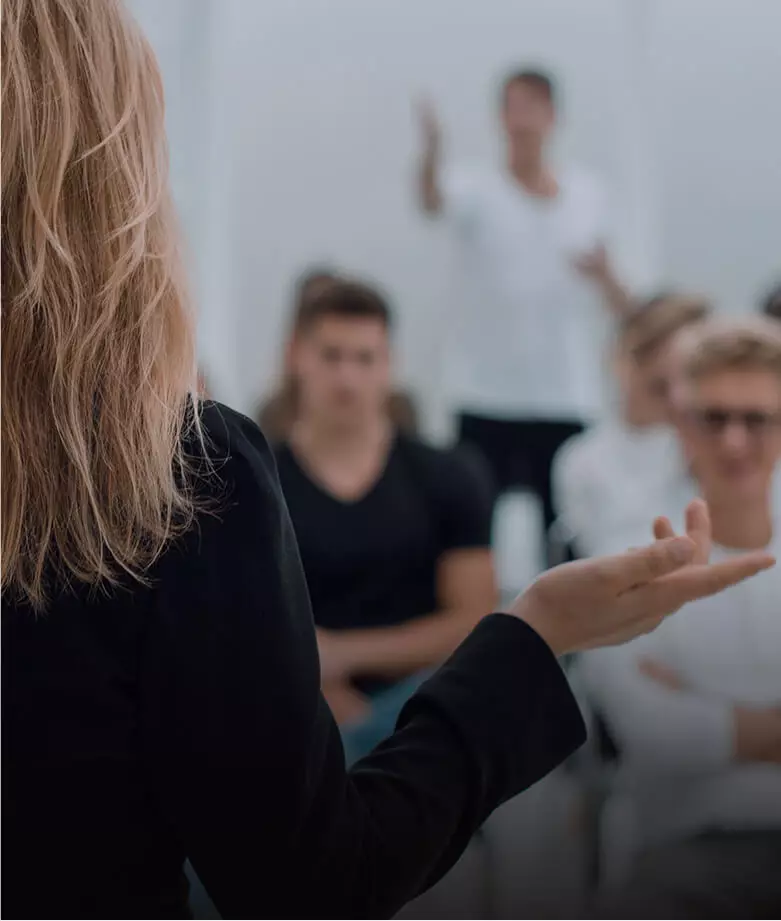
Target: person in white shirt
{"type": "Point", "coordinates": [523, 367]}
{"type": "Point", "coordinates": [695, 708]}
{"type": "Point", "coordinates": [621, 471]}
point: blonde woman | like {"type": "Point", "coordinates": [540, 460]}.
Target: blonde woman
{"type": "Point", "coordinates": [160, 676]}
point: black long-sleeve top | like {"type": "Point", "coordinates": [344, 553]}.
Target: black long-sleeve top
{"type": "Point", "coordinates": [184, 719]}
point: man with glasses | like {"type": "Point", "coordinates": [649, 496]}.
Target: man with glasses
{"type": "Point", "coordinates": [696, 707]}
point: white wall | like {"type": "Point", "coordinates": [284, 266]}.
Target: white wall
{"type": "Point", "coordinates": [295, 120]}
{"type": "Point", "coordinates": [717, 68]}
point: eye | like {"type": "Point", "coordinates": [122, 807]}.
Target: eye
{"type": "Point", "coordinates": [715, 419]}
{"type": "Point", "coordinates": [756, 421]}
{"type": "Point", "coordinates": [331, 355]}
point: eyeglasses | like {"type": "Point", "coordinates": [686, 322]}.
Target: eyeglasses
{"type": "Point", "coordinates": [756, 422]}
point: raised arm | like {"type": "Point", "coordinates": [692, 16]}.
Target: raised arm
{"type": "Point", "coordinates": [429, 191]}
{"type": "Point", "coordinates": [597, 267]}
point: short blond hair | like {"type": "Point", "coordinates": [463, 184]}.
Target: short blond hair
{"type": "Point", "coordinates": [656, 323]}
{"type": "Point", "coordinates": [746, 344]}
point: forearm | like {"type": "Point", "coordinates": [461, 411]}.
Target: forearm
{"type": "Point", "coordinates": [757, 734]}
{"type": "Point", "coordinates": [393, 652]}
{"type": "Point", "coordinates": [616, 297]}
{"type": "Point", "coordinates": [657, 729]}
{"type": "Point", "coordinates": [429, 192]}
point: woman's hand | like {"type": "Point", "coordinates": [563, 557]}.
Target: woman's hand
{"type": "Point", "coordinates": [610, 600]}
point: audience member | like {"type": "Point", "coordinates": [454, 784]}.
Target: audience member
{"type": "Point", "coordinates": [618, 472]}
{"type": "Point", "coordinates": [277, 414]}
{"type": "Point", "coordinates": [696, 707]}
{"type": "Point", "coordinates": [394, 535]}
{"type": "Point", "coordinates": [523, 362]}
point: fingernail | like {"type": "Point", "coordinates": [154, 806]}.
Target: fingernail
{"type": "Point", "coordinates": [681, 549]}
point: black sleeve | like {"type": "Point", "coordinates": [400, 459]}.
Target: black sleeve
{"type": "Point", "coordinates": [461, 484]}
{"type": "Point", "coordinates": [246, 760]}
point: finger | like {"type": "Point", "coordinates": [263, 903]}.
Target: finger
{"type": "Point", "coordinates": [698, 527]}
{"type": "Point", "coordinates": [663, 528]}
{"type": "Point", "coordinates": [626, 571]}
{"type": "Point", "coordinates": [671, 592]}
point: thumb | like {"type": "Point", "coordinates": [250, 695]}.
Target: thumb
{"type": "Point", "coordinates": [626, 571]}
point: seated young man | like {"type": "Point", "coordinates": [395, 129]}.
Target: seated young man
{"type": "Point", "coordinates": [695, 708]}
{"type": "Point", "coordinates": [394, 535]}
{"type": "Point", "coordinates": [277, 413]}
{"type": "Point", "coordinates": [617, 472]}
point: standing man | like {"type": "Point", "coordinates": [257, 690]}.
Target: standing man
{"type": "Point", "coordinates": [523, 365]}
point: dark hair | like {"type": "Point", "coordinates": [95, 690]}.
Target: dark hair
{"type": "Point", "coordinates": [310, 279]}
{"type": "Point", "coordinates": [537, 79]}
{"type": "Point", "coordinates": [344, 299]}
{"type": "Point", "coordinates": [771, 303]}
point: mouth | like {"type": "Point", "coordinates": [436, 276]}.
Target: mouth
{"type": "Point", "coordinates": [738, 470]}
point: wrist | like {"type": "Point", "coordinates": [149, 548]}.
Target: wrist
{"type": "Point", "coordinates": [537, 616]}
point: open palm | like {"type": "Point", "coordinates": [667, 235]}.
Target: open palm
{"type": "Point", "coordinates": [609, 600]}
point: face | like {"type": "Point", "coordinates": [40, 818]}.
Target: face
{"type": "Point", "coordinates": [342, 365]}
{"type": "Point", "coordinates": [730, 425]}
{"type": "Point", "coordinates": [527, 115]}
{"type": "Point", "coordinates": [645, 388]}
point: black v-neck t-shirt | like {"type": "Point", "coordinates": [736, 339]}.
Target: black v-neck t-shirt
{"type": "Point", "coordinates": [373, 562]}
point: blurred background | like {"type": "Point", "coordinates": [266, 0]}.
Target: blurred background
{"type": "Point", "coordinates": [293, 142]}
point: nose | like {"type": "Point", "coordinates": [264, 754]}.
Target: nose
{"type": "Point", "coordinates": [734, 437]}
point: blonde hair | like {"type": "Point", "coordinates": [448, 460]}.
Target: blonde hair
{"type": "Point", "coordinates": [746, 344]}
{"type": "Point", "coordinates": [654, 325]}
{"type": "Point", "coordinates": [98, 356]}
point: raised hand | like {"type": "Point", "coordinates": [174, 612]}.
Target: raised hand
{"type": "Point", "coordinates": [429, 125]}
{"type": "Point", "coordinates": [594, 264]}
{"type": "Point", "coordinates": [610, 600]}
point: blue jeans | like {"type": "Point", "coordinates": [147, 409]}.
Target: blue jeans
{"type": "Point", "coordinates": [363, 737]}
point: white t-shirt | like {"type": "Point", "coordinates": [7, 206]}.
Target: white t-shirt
{"type": "Point", "coordinates": [525, 339]}
{"type": "Point", "coordinates": [677, 747]}
{"type": "Point", "coordinates": [612, 481]}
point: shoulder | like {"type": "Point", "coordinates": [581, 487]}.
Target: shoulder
{"type": "Point", "coordinates": [233, 439]}
{"type": "Point", "coordinates": [445, 469]}
{"type": "Point", "coordinates": [243, 540]}
{"type": "Point", "coordinates": [582, 451]}
{"type": "Point", "coordinates": [236, 466]}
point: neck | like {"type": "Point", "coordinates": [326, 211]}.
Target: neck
{"type": "Point", "coordinates": [528, 166]}
{"type": "Point", "coordinates": [741, 524]}
{"type": "Point", "coordinates": [321, 438]}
